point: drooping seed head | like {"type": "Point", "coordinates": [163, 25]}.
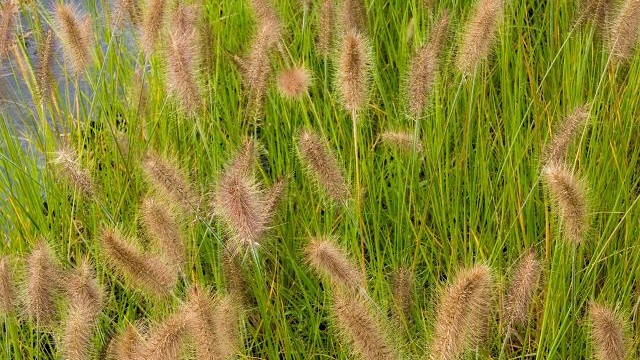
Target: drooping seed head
{"type": "Point", "coordinates": [152, 23]}
{"type": "Point", "coordinates": [624, 32]}
{"type": "Point", "coordinates": [143, 271]}
{"type": "Point", "coordinates": [322, 165]}
{"type": "Point", "coordinates": [161, 226]}
{"type": "Point", "coordinates": [402, 140]}
{"type": "Point", "coordinates": [556, 150]}
{"type": "Point", "coordinates": [41, 284]}
{"type": "Point", "coordinates": [354, 66]}
{"type": "Point", "coordinates": [462, 313]}
{"type": "Point", "coordinates": [75, 34]}
{"type": "Point", "coordinates": [524, 283]}
{"type": "Point", "coordinates": [570, 197]}
{"type": "Point", "coordinates": [167, 177]}
{"type": "Point", "coordinates": [358, 324]}
{"type": "Point", "coordinates": [333, 264]}
{"type": "Point", "coordinates": [294, 82]}
{"type": "Point", "coordinates": [479, 35]}
{"type": "Point", "coordinates": [607, 333]}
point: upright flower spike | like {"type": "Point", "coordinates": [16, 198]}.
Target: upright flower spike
{"type": "Point", "coordinates": [353, 72]}
{"type": "Point", "coordinates": [161, 226]}
{"type": "Point", "coordinates": [7, 18]}
{"type": "Point", "coordinates": [524, 283]}
{"type": "Point", "coordinates": [353, 16]}
{"type": "Point", "coordinates": [294, 82]}
{"type": "Point", "coordinates": [7, 288]}
{"type": "Point", "coordinates": [556, 151]}
{"type": "Point", "coordinates": [624, 32]}
{"type": "Point", "coordinates": [169, 179]}
{"type": "Point", "coordinates": [570, 197]}
{"type": "Point", "coordinates": [325, 30]}
{"type": "Point", "coordinates": [152, 23]}
{"type": "Point", "coordinates": [607, 333]}
{"type": "Point", "coordinates": [331, 262]}
{"type": "Point", "coordinates": [44, 77]}
{"type": "Point", "coordinates": [75, 34]}
{"type": "Point", "coordinates": [479, 35]}
{"type": "Point", "coordinates": [41, 285]}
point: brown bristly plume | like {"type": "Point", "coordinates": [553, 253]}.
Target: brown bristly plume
{"type": "Point", "coordinates": [326, 24]}
{"type": "Point", "coordinates": [85, 304]}
{"type": "Point", "coordinates": [607, 333]}
{"type": "Point", "coordinates": [403, 140]}
{"type": "Point", "coordinates": [524, 283]}
{"type": "Point", "coordinates": [7, 13]}
{"type": "Point", "coordinates": [479, 34]}
{"type": "Point", "coordinates": [266, 16]}
{"type": "Point", "coordinates": [556, 150]}
{"type": "Point", "coordinates": [462, 313]}
{"type": "Point", "coordinates": [182, 58]}
{"type": "Point", "coordinates": [142, 270]}
{"type": "Point", "coordinates": [7, 287]}
{"type": "Point", "coordinates": [75, 34]}
{"type": "Point", "coordinates": [152, 22]}
{"type": "Point", "coordinates": [126, 10]}
{"type": "Point", "coordinates": [44, 78]}
{"type": "Point", "coordinates": [274, 195]}
{"type": "Point", "coordinates": [569, 194]}
{"type": "Point", "coordinates": [168, 178]}
{"type": "Point", "coordinates": [624, 32]}
{"type": "Point", "coordinates": [232, 270]}
{"type": "Point", "coordinates": [402, 284]}
{"type": "Point", "coordinates": [239, 201]}
{"type": "Point", "coordinates": [166, 340]}
{"type": "Point", "coordinates": [66, 160]}
{"type": "Point", "coordinates": [424, 67]}
{"type": "Point", "coordinates": [257, 67]}
{"type": "Point", "coordinates": [161, 226]}
{"type": "Point", "coordinates": [322, 165]}
{"type": "Point", "coordinates": [332, 263]}
{"type": "Point", "coordinates": [127, 345]}
{"type": "Point", "coordinates": [360, 326]}
{"type": "Point", "coordinates": [41, 284]}
{"type": "Point", "coordinates": [294, 82]}
{"type": "Point", "coordinates": [353, 16]}
{"type": "Point", "coordinates": [213, 324]}
{"type": "Point", "coordinates": [597, 10]}
{"type": "Point", "coordinates": [353, 72]}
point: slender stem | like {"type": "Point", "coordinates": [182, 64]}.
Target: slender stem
{"type": "Point", "coordinates": [573, 298]}
{"type": "Point", "coordinates": [354, 127]}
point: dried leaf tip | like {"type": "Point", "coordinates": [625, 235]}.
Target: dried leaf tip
{"type": "Point", "coordinates": [462, 313]}
{"type": "Point", "coordinates": [556, 150]}
{"type": "Point", "coordinates": [322, 165]}
{"type": "Point", "coordinates": [524, 282]}
{"type": "Point", "coordinates": [624, 32]}
{"type": "Point", "coordinates": [75, 34]}
{"type": "Point", "coordinates": [607, 333]}
{"type": "Point", "coordinates": [332, 263]}
{"type": "Point", "coordinates": [66, 160]}
{"type": "Point", "coordinates": [361, 328]}
{"type": "Point", "coordinates": [294, 82]}
{"type": "Point", "coordinates": [570, 196]}
{"type": "Point", "coordinates": [479, 35]}
{"type": "Point", "coordinates": [41, 284]}
{"type": "Point", "coordinates": [353, 72]}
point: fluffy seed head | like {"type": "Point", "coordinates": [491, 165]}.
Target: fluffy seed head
{"type": "Point", "coordinates": [44, 77]}
{"type": "Point", "coordinates": [267, 17]}
{"type": "Point", "coordinates": [66, 160]}
{"type": "Point", "coordinates": [571, 201]}
{"type": "Point", "coordinates": [556, 150]}
{"type": "Point", "coordinates": [275, 194]}
{"type": "Point", "coordinates": [402, 140]}
{"type": "Point", "coordinates": [333, 264]}
{"type": "Point", "coordinates": [7, 13]}
{"type": "Point", "coordinates": [462, 313]}
{"type": "Point", "coordinates": [7, 289]}
{"type": "Point", "coordinates": [42, 276]}
{"type": "Point", "coordinates": [597, 10]}
{"type": "Point", "coordinates": [127, 345]}
{"type": "Point", "coordinates": [182, 58]}
{"type": "Point", "coordinates": [125, 10]}
{"type": "Point", "coordinates": [607, 333]}
{"type": "Point", "coordinates": [424, 67]}
{"type": "Point", "coordinates": [75, 343]}
{"type": "Point", "coordinates": [256, 68]}
{"type": "Point", "coordinates": [75, 34]}
{"type": "Point", "coordinates": [294, 82]}
{"type": "Point", "coordinates": [353, 16]}
{"type": "Point", "coordinates": [524, 282]}
{"type": "Point", "coordinates": [360, 327]}
{"type": "Point", "coordinates": [167, 338]}
{"type": "Point", "coordinates": [353, 72]}
{"type": "Point", "coordinates": [152, 25]}
{"type": "Point", "coordinates": [326, 24]}
{"type": "Point", "coordinates": [232, 269]}
{"type": "Point", "coordinates": [403, 282]}
{"type": "Point", "coordinates": [171, 182]}
{"type": "Point", "coordinates": [624, 32]}
{"type": "Point", "coordinates": [142, 270]}
{"type": "Point", "coordinates": [239, 202]}
{"type": "Point", "coordinates": [161, 226]}
{"type": "Point", "coordinates": [322, 165]}
{"type": "Point", "coordinates": [479, 35]}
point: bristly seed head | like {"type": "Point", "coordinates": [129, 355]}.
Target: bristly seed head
{"type": "Point", "coordinates": [556, 151]}
{"type": "Point", "coordinates": [331, 263]}
{"type": "Point", "coordinates": [152, 25]}
{"type": "Point", "coordinates": [607, 333]}
{"type": "Point", "coordinates": [479, 35]}
{"type": "Point", "coordinates": [75, 35]}
{"type": "Point", "coordinates": [42, 284]}
{"type": "Point", "coordinates": [7, 288]}
{"type": "Point", "coordinates": [294, 82]}
{"type": "Point", "coordinates": [524, 283]}
{"type": "Point", "coordinates": [66, 160]}
{"type": "Point", "coordinates": [354, 68]}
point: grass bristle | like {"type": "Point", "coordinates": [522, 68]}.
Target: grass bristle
{"type": "Point", "coordinates": [7, 19]}
{"type": "Point", "coordinates": [166, 341]}
{"type": "Point", "coordinates": [556, 150]}
{"type": "Point", "coordinates": [160, 224]}
{"type": "Point", "coordinates": [127, 345]}
{"type": "Point", "coordinates": [402, 286]}
{"type": "Point", "coordinates": [325, 28]}
{"type": "Point", "coordinates": [75, 34]}
{"type": "Point", "coordinates": [624, 32]}
{"type": "Point", "coordinates": [353, 72]}
{"type": "Point", "coordinates": [167, 177]}
{"type": "Point", "coordinates": [360, 326]}
{"type": "Point", "coordinates": [152, 23]}
{"type": "Point", "coordinates": [402, 140]}
{"type": "Point", "coordinates": [424, 66]}
{"type": "Point", "coordinates": [322, 165]}
{"type": "Point", "coordinates": [607, 333]}
{"type": "Point", "coordinates": [353, 16]}
{"type": "Point", "coordinates": [256, 68]}
{"type": "Point", "coordinates": [143, 271]}
{"type": "Point", "coordinates": [7, 287]}
{"type": "Point", "coordinates": [570, 197]}
{"type": "Point", "coordinates": [44, 77]}
{"type": "Point", "coordinates": [124, 10]}
{"type": "Point", "coordinates": [41, 285]}
{"type": "Point", "coordinates": [462, 313]}
{"type": "Point", "coordinates": [294, 82]}
{"type": "Point", "coordinates": [524, 283]}
{"type": "Point", "coordinates": [66, 160]}
{"type": "Point", "coordinates": [333, 264]}
{"type": "Point", "coordinates": [479, 35]}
